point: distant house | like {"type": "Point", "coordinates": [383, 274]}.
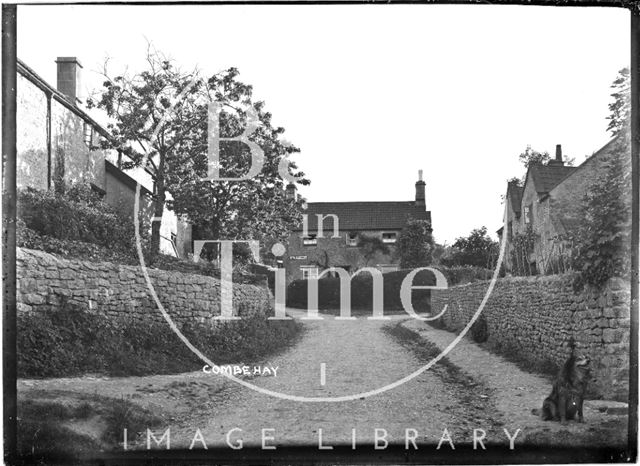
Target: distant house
{"type": "Point", "coordinates": [548, 206]}
{"type": "Point", "coordinates": [56, 146]}
{"type": "Point", "coordinates": [342, 224]}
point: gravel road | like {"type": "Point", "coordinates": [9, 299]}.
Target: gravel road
{"type": "Point", "coordinates": [470, 389]}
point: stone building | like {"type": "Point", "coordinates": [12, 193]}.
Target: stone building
{"type": "Point", "coordinates": [547, 206]}
{"type": "Point", "coordinates": [57, 144]}
{"type": "Point", "coordinates": [333, 231]}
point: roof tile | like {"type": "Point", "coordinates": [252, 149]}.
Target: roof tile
{"type": "Point", "coordinates": [366, 215]}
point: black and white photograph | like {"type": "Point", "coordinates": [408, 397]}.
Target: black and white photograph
{"type": "Point", "coordinates": [320, 232]}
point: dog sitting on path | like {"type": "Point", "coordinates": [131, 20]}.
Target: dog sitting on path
{"type": "Point", "coordinates": [567, 395]}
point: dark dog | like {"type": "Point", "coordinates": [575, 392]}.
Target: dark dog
{"type": "Point", "coordinates": [567, 395]}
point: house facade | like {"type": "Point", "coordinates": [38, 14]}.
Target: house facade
{"type": "Point", "coordinates": [546, 209]}
{"type": "Point", "coordinates": [332, 231]}
{"type": "Point", "coordinates": [57, 145]}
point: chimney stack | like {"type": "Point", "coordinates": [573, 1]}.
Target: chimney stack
{"type": "Point", "coordinates": [69, 78]}
{"type": "Point", "coordinates": [290, 191]}
{"type": "Point", "coordinates": [420, 195]}
{"type": "Point", "coordinates": [558, 160]}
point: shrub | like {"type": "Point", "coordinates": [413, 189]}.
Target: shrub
{"type": "Point", "coordinates": [603, 241]}
{"type": "Point", "coordinates": [464, 274]}
{"type": "Point", "coordinates": [479, 331]}
{"type": "Point", "coordinates": [415, 244]}
{"type": "Point", "coordinates": [75, 216]}
{"type": "Point", "coordinates": [80, 250]}
{"type": "Point", "coordinates": [70, 341]}
{"type": "Point", "coordinates": [362, 292]}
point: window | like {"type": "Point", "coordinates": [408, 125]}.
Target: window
{"type": "Point", "coordinates": [510, 231]}
{"type": "Point", "coordinates": [310, 240]}
{"type": "Point", "coordinates": [352, 239]}
{"type": "Point", "coordinates": [88, 134]}
{"type": "Point", "coordinates": [528, 214]}
{"type": "Point", "coordinates": [309, 272]}
{"type": "Point", "coordinates": [389, 238]}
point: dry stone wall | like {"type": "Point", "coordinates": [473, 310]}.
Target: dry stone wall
{"type": "Point", "coordinates": [535, 317]}
{"type": "Point", "coordinates": [45, 282]}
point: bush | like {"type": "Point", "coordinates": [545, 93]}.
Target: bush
{"type": "Point", "coordinates": [479, 331]}
{"type": "Point", "coordinates": [80, 250]}
{"type": "Point", "coordinates": [70, 341]}
{"type": "Point", "coordinates": [76, 216]}
{"type": "Point", "coordinates": [464, 274]}
{"type": "Point", "coordinates": [362, 292]}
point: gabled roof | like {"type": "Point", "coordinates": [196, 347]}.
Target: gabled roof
{"type": "Point", "coordinates": [514, 195]}
{"type": "Point", "coordinates": [547, 177]}
{"type": "Point", "coordinates": [365, 215]}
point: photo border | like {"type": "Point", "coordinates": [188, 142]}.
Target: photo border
{"type": "Point", "coordinates": [463, 455]}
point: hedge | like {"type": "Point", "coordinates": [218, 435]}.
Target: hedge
{"type": "Point", "coordinates": [362, 292]}
{"type": "Point", "coordinates": [74, 218]}
{"type": "Point", "coordinates": [71, 341]}
{"type": "Point", "coordinates": [77, 224]}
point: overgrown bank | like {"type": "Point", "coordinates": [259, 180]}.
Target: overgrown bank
{"type": "Point", "coordinates": [71, 341]}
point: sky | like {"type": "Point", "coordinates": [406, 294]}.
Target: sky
{"type": "Point", "coordinates": [373, 93]}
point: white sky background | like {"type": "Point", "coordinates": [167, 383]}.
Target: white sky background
{"type": "Point", "coordinates": [372, 93]}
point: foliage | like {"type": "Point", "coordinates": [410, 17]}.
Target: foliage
{"type": "Point", "coordinates": [70, 341]}
{"type": "Point", "coordinates": [522, 247]}
{"type": "Point", "coordinates": [257, 208]}
{"type": "Point", "coordinates": [515, 181]}
{"type": "Point", "coordinates": [479, 330]}
{"type": "Point", "coordinates": [415, 244]}
{"type": "Point", "coordinates": [76, 216]}
{"type": "Point", "coordinates": [531, 156]}
{"type": "Point", "coordinates": [477, 249]}
{"type": "Point", "coordinates": [152, 122]}
{"type": "Point", "coordinates": [46, 432]}
{"type": "Point", "coordinates": [620, 108]}
{"type": "Point", "coordinates": [602, 242]}
{"type": "Point", "coordinates": [370, 246]}
{"type": "Point", "coordinates": [460, 275]}
{"type": "Point", "coordinates": [362, 292]}
{"type": "Point", "coordinates": [80, 250]}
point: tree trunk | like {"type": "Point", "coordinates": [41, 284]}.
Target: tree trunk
{"type": "Point", "coordinates": [158, 211]}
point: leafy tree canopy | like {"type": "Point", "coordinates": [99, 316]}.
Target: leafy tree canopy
{"type": "Point", "coordinates": [415, 244]}
{"type": "Point", "coordinates": [477, 249]}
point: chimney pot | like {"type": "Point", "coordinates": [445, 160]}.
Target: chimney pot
{"type": "Point", "coordinates": [69, 78]}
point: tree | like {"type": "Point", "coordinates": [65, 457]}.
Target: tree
{"type": "Point", "coordinates": [415, 244]}
{"type": "Point", "coordinates": [620, 108]}
{"type": "Point", "coordinates": [531, 156]}
{"type": "Point", "coordinates": [370, 246]}
{"type": "Point", "coordinates": [257, 208]}
{"type": "Point", "coordinates": [146, 127]}
{"type": "Point", "coordinates": [602, 242]}
{"type": "Point", "coordinates": [160, 121]}
{"type": "Point", "coordinates": [477, 249]}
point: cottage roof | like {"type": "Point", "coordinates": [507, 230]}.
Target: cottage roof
{"type": "Point", "coordinates": [514, 194]}
{"type": "Point", "coordinates": [547, 177]}
{"type": "Point", "coordinates": [365, 215]}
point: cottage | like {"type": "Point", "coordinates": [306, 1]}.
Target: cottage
{"type": "Point", "coordinates": [58, 144]}
{"type": "Point", "coordinates": [333, 231]}
{"type": "Point", "coordinates": [545, 210]}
